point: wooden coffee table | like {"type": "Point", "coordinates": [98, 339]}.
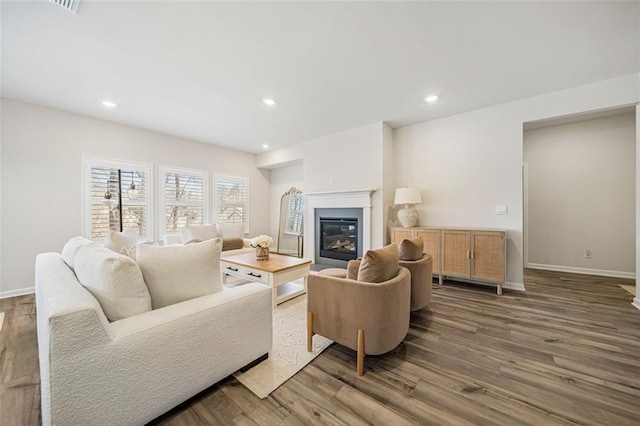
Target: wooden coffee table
{"type": "Point", "coordinates": [278, 272]}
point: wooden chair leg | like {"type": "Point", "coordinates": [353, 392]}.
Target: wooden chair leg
{"type": "Point", "coordinates": [360, 362]}
{"type": "Point", "coordinates": [309, 331]}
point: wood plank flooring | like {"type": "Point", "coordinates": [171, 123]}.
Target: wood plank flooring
{"type": "Point", "coordinates": [567, 351]}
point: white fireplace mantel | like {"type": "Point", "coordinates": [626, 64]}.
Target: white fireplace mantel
{"type": "Point", "coordinates": [354, 198]}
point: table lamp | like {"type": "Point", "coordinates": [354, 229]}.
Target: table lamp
{"type": "Point", "coordinates": [408, 216]}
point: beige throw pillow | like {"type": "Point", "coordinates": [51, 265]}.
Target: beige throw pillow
{"type": "Point", "coordinates": [379, 265]}
{"type": "Point", "coordinates": [201, 232]}
{"type": "Point", "coordinates": [178, 273]}
{"type": "Point", "coordinates": [114, 279]}
{"type": "Point", "coordinates": [231, 230]}
{"type": "Point", "coordinates": [117, 241]}
{"type": "Point", "coordinates": [70, 249]}
{"type": "Point", "coordinates": [411, 249]}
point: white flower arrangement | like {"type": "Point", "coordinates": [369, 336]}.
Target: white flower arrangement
{"type": "Point", "coordinates": [261, 241]}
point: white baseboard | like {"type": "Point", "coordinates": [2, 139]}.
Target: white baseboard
{"type": "Point", "coordinates": [636, 302]}
{"type": "Point", "coordinates": [584, 271]}
{"type": "Point", "coordinates": [18, 292]}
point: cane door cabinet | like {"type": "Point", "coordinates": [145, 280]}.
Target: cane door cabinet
{"type": "Point", "coordinates": [469, 253]}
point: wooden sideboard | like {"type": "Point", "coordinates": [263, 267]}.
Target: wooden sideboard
{"type": "Point", "coordinates": [471, 253]}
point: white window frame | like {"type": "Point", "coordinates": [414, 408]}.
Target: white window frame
{"type": "Point", "coordinates": [163, 170]}
{"type": "Point", "coordinates": [87, 200]}
{"type": "Point", "coordinates": [245, 180]}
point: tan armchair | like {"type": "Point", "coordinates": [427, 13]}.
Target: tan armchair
{"type": "Point", "coordinates": [421, 279]}
{"type": "Point", "coordinates": [369, 317]}
{"type": "Point", "coordinates": [410, 252]}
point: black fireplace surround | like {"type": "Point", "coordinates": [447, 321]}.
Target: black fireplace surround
{"type": "Point", "coordinates": [338, 238]}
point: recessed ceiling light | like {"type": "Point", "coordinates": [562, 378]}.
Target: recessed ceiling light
{"type": "Point", "coordinates": [265, 145]}
{"type": "Point", "coordinates": [268, 102]}
{"type": "Point", "coordinates": [431, 98]}
{"type": "Point", "coordinates": [109, 104]}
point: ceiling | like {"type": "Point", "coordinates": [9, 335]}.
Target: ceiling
{"type": "Point", "coordinates": [200, 70]}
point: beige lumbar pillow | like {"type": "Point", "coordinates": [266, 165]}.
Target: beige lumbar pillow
{"type": "Point", "coordinates": [178, 273]}
{"type": "Point", "coordinates": [117, 241]}
{"type": "Point", "coordinates": [114, 279]}
{"type": "Point", "coordinates": [379, 265]}
{"type": "Point", "coordinates": [232, 243]}
{"type": "Point", "coordinates": [200, 232]}
{"type": "Point", "coordinates": [411, 249]}
{"type": "Point", "coordinates": [70, 249]}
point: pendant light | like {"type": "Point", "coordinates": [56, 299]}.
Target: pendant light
{"type": "Point", "coordinates": [132, 192]}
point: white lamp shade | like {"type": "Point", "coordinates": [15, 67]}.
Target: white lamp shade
{"type": "Point", "coordinates": [407, 196]}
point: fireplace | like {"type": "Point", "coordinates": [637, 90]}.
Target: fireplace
{"type": "Point", "coordinates": [338, 238]}
{"type": "Point", "coordinates": [336, 204]}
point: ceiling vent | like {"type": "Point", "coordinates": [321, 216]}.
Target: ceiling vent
{"type": "Point", "coordinates": [70, 5]}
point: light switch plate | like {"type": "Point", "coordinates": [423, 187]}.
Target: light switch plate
{"type": "Point", "coordinates": [502, 210]}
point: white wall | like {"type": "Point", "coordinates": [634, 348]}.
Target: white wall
{"type": "Point", "coordinates": [41, 178]}
{"type": "Point", "coordinates": [581, 195]}
{"type": "Point", "coordinates": [467, 164]}
{"type": "Point", "coordinates": [388, 184]}
{"type": "Point", "coordinates": [283, 179]}
{"type": "Point", "coordinates": [342, 161]}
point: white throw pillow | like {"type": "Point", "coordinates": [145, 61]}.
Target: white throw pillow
{"type": "Point", "coordinates": [117, 241]}
{"type": "Point", "coordinates": [200, 232]}
{"type": "Point", "coordinates": [114, 279]}
{"type": "Point", "coordinates": [231, 230]}
{"type": "Point", "coordinates": [178, 273]}
{"type": "Point", "coordinates": [70, 249]}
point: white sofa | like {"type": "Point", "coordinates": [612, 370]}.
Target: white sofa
{"type": "Point", "coordinates": [130, 371]}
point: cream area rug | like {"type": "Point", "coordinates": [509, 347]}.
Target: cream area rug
{"type": "Point", "coordinates": [289, 353]}
{"type": "Point", "coordinates": [630, 288]}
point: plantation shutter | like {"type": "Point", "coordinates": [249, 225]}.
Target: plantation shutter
{"type": "Point", "coordinates": [185, 200]}
{"type": "Point", "coordinates": [105, 215]}
{"type": "Point", "coordinates": [232, 200]}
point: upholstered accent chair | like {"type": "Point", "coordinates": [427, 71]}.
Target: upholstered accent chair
{"type": "Point", "coordinates": [367, 311]}
{"type": "Point", "coordinates": [420, 265]}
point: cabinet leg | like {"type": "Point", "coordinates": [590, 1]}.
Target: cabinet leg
{"type": "Point", "coordinates": [499, 289]}
{"type": "Point", "coordinates": [440, 279]}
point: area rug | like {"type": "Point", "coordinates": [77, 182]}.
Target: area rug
{"type": "Point", "coordinates": [630, 288]}
{"type": "Point", "coordinates": [289, 354]}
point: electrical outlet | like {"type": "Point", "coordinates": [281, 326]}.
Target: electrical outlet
{"type": "Point", "coordinates": [587, 254]}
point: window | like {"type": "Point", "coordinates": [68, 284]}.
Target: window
{"type": "Point", "coordinates": [294, 215]}
{"type": "Point", "coordinates": [113, 190]}
{"type": "Point", "coordinates": [232, 200]}
{"type": "Point", "coordinates": [184, 196]}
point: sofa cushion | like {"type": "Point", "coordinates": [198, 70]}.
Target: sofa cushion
{"type": "Point", "coordinates": [200, 232]}
{"type": "Point", "coordinates": [70, 249]}
{"type": "Point", "coordinates": [181, 272]}
{"type": "Point", "coordinates": [411, 249]}
{"type": "Point", "coordinates": [117, 241]}
{"type": "Point", "coordinates": [232, 243]}
{"type": "Point", "coordinates": [379, 265]}
{"type": "Point", "coordinates": [114, 279]}
{"type": "Point", "coordinates": [231, 230]}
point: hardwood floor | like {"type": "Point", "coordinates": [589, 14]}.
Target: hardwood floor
{"type": "Point", "coordinates": [567, 351]}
